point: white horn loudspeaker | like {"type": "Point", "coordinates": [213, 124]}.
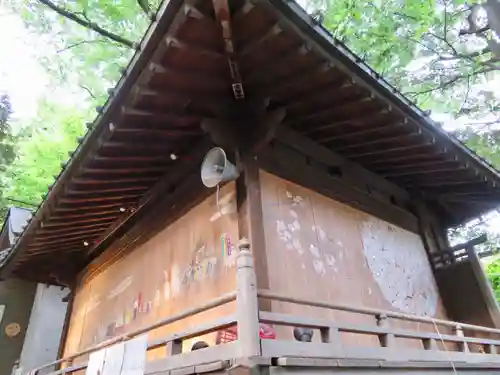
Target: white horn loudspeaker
{"type": "Point", "coordinates": [216, 168]}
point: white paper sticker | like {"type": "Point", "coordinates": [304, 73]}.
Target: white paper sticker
{"type": "Point", "coordinates": [134, 360]}
{"type": "Point", "coordinates": [96, 362]}
{"type": "Point", "coordinates": [114, 359]}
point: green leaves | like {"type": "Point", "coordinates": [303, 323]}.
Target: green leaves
{"type": "Point", "coordinates": [77, 54]}
{"type": "Point", "coordinates": [394, 36]}
{"type": "Point", "coordinates": [49, 138]}
{"type": "Point", "coordinates": [493, 273]}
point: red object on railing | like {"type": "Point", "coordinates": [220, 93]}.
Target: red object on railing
{"type": "Point", "coordinates": [231, 334]}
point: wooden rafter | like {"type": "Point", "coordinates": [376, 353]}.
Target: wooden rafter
{"type": "Point", "coordinates": [211, 100]}
{"type": "Point", "coordinates": [281, 86]}
{"type": "Point", "coordinates": [63, 222]}
{"type": "Point", "coordinates": [391, 150]}
{"type": "Point", "coordinates": [331, 90]}
{"type": "Point", "coordinates": [256, 78]}
{"type": "Point", "coordinates": [333, 110]}
{"type": "Point", "coordinates": [64, 242]}
{"type": "Point", "coordinates": [172, 41]}
{"type": "Point", "coordinates": [51, 251]}
{"type": "Point", "coordinates": [435, 181]}
{"type": "Point", "coordinates": [425, 171]}
{"type": "Point", "coordinates": [368, 131]}
{"type": "Point", "coordinates": [112, 181]}
{"type": "Point", "coordinates": [148, 160]}
{"type": "Point", "coordinates": [194, 12]}
{"type": "Point", "coordinates": [360, 118]}
{"type": "Point", "coordinates": [218, 83]}
{"type": "Point", "coordinates": [160, 117]}
{"type": "Point", "coordinates": [245, 8]}
{"type": "Point", "coordinates": [446, 186]}
{"type": "Point", "coordinates": [254, 44]}
{"type": "Point", "coordinates": [110, 214]}
{"type": "Point", "coordinates": [381, 141]}
{"type": "Point", "coordinates": [102, 192]}
{"type": "Point", "coordinates": [409, 159]}
{"type": "Point", "coordinates": [157, 146]}
{"type": "Point", "coordinates": [44, 232]}
{"type": "Point", "coordinates": [93, 208]}
{"type": "Point", "coordinates": [124, 171]}
{"type": "Point", "coordinates": [416, 165]}
{"type": "Point", "coordinates": [164, 132]}
{"type": "Point", "coordinates": [70, 234]}
{"type": "Point", "coordinates": [78, 200]}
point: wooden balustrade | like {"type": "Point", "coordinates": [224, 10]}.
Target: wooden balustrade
{"type": "Point", "coordinates": [167, 342]}
{"type": "Point", "coordinates": [433, 343]}
{"type": "Point", "coordinates": [456, 254]}
{"type": "Point", "coordinates": [330, 351]}
{"type": "Point", "coordinates": [246, 318]}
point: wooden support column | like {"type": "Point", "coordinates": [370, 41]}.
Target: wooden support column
{"type": "Point", "coordinates": [67, 321]}
{"type": "Point", "coordinates": [462, 346]}
{"type": "Point", "coordinates": [250, 218]}
{"type": "Point", "coordinates": [426, 230]}
{"type": "Point", "coordinates": [247, 306]}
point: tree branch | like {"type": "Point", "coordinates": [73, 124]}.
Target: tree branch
{"type": "Point", "coordinates": [144, 4]}
{"type": "Point", "coordinates": [445, 40]}
{"type": "Point", "coordinates": [466, 97]}
{"type": "Point", "coordinates": [445, 21]}
{"type": "Point", "coordinates": [77, 44]}
{"type": "Point", "coordinates": [485, 124]}
{"type": "Point", "coordinates": [467, 55]}
{"type": "Point", "coordinates": [88, 91]}
{"type": "Point", "coordinates": [89, 25]}
{"type": "Point", "coordinates": [473, 32]}
{"type": "Point", "coordinates": [439, 87]}
{"type": "Point", "coordinates": [450, 82]}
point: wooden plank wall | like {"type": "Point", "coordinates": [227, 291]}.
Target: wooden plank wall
{"type": "Point", "coordinates": [321, 249]}
{"type": "Point", "coordinates": [183, 266]}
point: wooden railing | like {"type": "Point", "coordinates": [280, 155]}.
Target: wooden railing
{"type": "Point", "coordinates": [443, 343]}
{"type": "Point", "coordinates": [430, 346]}
{"type": "Point", "coordinates": [456, 254]}
{"type": "Point", "coordinates": [171, 343]}
{"type": "Point", "coordinates": [246, 319]}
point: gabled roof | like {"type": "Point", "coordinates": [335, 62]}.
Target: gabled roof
{"type": "Point", "coordinates": [14, 224]}
{"type": "Point", "coordinates": [180, 77]}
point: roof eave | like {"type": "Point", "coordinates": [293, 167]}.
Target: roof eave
{"type": "Point", "coordinates": [99, 127]}
{"type": "Point", "coordinates": [295, 16]}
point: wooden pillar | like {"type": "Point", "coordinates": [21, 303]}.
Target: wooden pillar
{"type": "Point", "coordinates": [250, 219]}
{"type": "Point", "coordinates": [67, 321]}
{"type": "Point", "coordinates": [462, 346]}
{"type": "Point", "coordinates": [247, 307]}
{"type": "Point", "coordinates": [491, 309]}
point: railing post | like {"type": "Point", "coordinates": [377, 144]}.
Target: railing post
{"type": "Point", "coordinates": [430, 344]}
{"type": "Point", "coordinates": [490, 349]}
{"type": "Point", "coordinates": [247, 306]}
{"type": "Point", "coordinates": [462, 346]}
{"type": "Point", "coordinates": [331, 335]}
{"type": "Point", "coordinates": [173, 347]}
{"type": "Point", "coordinates": [387, 339]}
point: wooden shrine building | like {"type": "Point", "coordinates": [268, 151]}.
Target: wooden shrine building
{"type": "Point", "coordinates": [345, 193]}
